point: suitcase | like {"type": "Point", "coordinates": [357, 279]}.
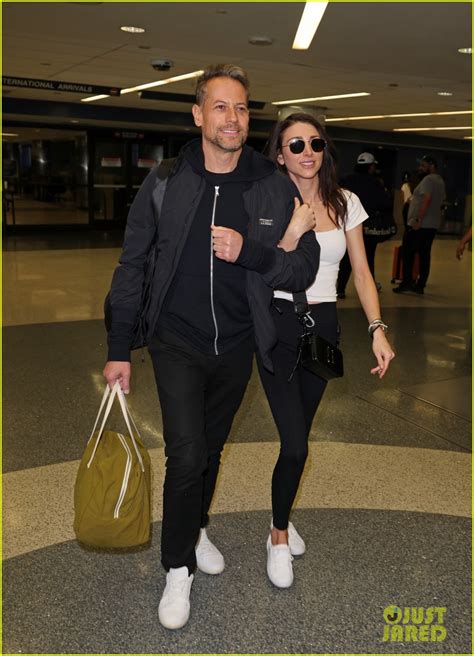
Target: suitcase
{"type": "Point", "coordinates": [397, 266]}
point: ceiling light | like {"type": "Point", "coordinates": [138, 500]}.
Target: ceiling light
{"type": "Point", "coordinates": [430, 129]}
{"type": "Point", "coordinates": [159, 83]}
{"type": "Point", "coordinates": [132, 29]}
{"type": "Point", "coordinates": [309, 23]}
{"type": "Point", "coordinates": [303, 100]}
{"type": "Point", "coordinates": [375, 116]}
{"type": "Point", "coordinates": [149, 85]}
{"type": "Point", "coordinates": [92, 98]}
{"type": "Point", "coordinates": [9, 134]}
{"type": "Point", "coordinates": [465, 51]}
{"type": "Point", "coordinates": [444, 93]}
{"type": "Point", "coordinates": [467, 137]}
{"type": "Point", "coordinates": [260, 40]}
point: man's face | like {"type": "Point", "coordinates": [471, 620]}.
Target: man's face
{"type": "Point", "coordinates": [425, 167]}
{"type": "Point", "coordinates": [223, 116]}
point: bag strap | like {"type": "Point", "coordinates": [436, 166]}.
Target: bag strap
{"type": "Point", "coordinates": [111, 394]}
{"type": "Point", "coordinates": [302, 309]}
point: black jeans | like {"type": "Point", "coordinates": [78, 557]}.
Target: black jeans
{"type": "Point", "coordinates": [345, 268]}
{"type": "Point", "coordinates": [199, 396]}
{"type": "Point", "coordinates": [293, 404]}
{"type": "Point", "coordinates": [417, 241]}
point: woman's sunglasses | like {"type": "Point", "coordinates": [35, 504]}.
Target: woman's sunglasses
{"type": "Point", "coordinates": [296, 146]}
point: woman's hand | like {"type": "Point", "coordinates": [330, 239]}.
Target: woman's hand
{"type": "Point", "coordinates": [303, 219]}
{"type": "Point", "coordinates": [382, 351]}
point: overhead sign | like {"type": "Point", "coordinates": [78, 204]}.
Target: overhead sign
{"type": "Point", "coordinates": [58, 85]}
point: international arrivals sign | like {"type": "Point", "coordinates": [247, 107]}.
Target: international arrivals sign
{"type": "Point", "coordinates": [57, 85]}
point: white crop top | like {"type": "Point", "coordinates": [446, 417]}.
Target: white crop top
{"type": "Point", "coordinates": [333, 246]}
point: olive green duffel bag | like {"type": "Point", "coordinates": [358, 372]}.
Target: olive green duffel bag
{"type": "Point", "coordinates": [112, 506]}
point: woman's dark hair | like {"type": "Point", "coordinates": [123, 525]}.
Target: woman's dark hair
{"type": "Point", "coordinates": [332, 195]}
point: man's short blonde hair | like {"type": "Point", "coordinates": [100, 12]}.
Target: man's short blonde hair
{"type": "Point", "coordinates": [220, 70]}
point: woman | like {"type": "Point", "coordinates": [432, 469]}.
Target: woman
{"type": "Point", "coordinates": [303, 151]}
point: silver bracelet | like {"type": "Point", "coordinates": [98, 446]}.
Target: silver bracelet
{"type": "Point", "coordinates": [377, 323]}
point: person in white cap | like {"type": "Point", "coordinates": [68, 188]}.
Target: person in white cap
{"type": "Point", "coordinates": [376, 202]}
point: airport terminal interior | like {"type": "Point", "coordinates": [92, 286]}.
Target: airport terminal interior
{"type": "Point", "coordinates": [385, 502]}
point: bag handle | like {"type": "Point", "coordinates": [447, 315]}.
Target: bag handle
{"type": "Point", "coordinates": [127, 416]}
{"type": "Point", "coordinates": [111, 394]}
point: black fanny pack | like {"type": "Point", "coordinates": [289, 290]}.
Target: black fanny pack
{"type": "Point", "coordinates": [314, 352]}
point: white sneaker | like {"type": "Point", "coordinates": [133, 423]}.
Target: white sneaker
{"type": "Point", "coordinates": [295, 541]}
{"type": "Point", "coordinates": [174, 607]}
{"type": "Point", "coordinates": [208, 557]}
{"type": "Point", "coordinates": [279, 567]}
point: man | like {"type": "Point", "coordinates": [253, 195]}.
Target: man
{"type": "Point", "coordinates": [223, 213]}
{"type": "Point", "coordinates": [376, 201]}
{"type": "Point", "coordinates": [424, 217]}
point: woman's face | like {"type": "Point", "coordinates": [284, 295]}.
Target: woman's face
{"type": "Point", "coordinates": [307, 163]}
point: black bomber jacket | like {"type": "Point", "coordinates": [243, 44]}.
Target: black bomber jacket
{"type": "Point", "coordinates": [269, 203]}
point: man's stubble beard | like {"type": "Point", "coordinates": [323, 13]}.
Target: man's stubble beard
{"type": "Point", "coordinates": [220, 143]}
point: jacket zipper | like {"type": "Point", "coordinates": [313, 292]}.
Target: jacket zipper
{"type": "Point", "coordinates": [126, 476]}
{"type": "Point", "coordinates": [216, 194]}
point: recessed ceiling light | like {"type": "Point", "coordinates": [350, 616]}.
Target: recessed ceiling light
{"type": "Point", "coordinates": [304, 100]}
{"type": "Point", "coordinates": [132, 29]}
{"type": "Point", "coordinates": [9, 134]}
{"type": "Point", "coordinates": [260, 40]}
{"type": "Point", "coordinates": [465, 51]}
{"type": "Point", "coordinates": [309, 23]}
{"type": "Point", "coordinates": [468, 138]}
{"type": "Point", "coordinates": [73, 120]}
{"type": "Point", "coordinates": [444, 93]}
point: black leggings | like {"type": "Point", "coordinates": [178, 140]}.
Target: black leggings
{"type": "Point", "coordinates": [293, 404]}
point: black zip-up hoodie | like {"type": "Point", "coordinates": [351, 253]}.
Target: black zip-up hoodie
{"type": "Point", "coordinates": [164, 210]}
{"type": "Point", "coordinates": [207, 302]}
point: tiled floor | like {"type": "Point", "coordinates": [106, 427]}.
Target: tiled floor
{"type": "Point", "coordinates": [384, 506]}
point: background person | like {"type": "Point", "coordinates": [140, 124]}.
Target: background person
{"type": "Point", "coordinates": [465, 239]}
{"type": "Point", "coordinates": [424, 218]}
{"type": "Point", "coordinates": [376, 201]}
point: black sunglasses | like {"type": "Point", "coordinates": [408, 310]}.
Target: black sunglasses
{"type": "Point", "coordinates": [297, 145]}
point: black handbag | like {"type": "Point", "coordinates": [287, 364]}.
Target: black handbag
{"type": "Point", "coordinates": [314, 352]}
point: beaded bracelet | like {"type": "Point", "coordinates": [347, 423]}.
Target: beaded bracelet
{"type": "Point", "coordinates": [376, 323]}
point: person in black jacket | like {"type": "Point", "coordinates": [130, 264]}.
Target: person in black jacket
{"type": "Point", "coordinates": [222, 211]}
{"type": "Point", "coordinates": [374, 198]}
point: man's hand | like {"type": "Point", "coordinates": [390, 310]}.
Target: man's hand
{"type": "Point", "coordinates": [227, 243]}
{"type": "Point", "coordinates": [121, 371]}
